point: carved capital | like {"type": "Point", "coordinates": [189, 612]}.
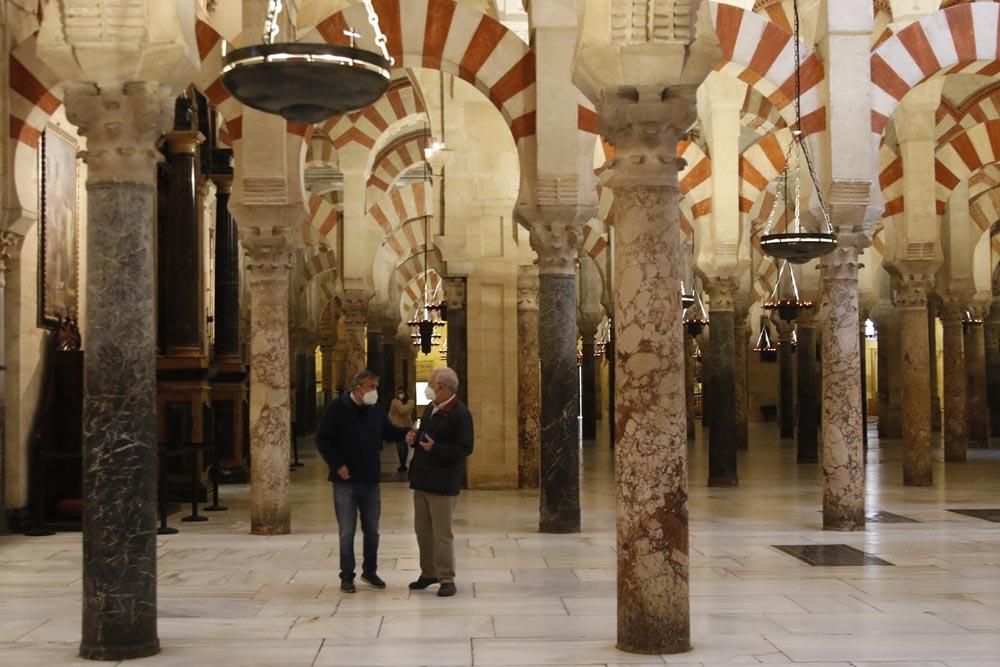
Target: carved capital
{"type": "Point", "coordinates": [721, 293]}
{"type": "Point", "coordinates": [910, 290]}
{"type": "Point", "coordinates": [122, 126]}
{"type": "Point", "coordinates": [355, 308]}
{"type": "Point", "coordinates": [841, 264]}
{"type": "Point", "coordinates": [10, 248]}
{"type": "Point", "coordinates": [184, 141]}
{"type": "Point", "coordinates": [644, 126]}
{"type": "Point", "coordinates": [527, 289]}
{"type": "Point", "coordinates": [455, 292]}
{"type": "Point", "coordinates": [951, 309]}
{"type": "Point", "coordinates": [556, 234]}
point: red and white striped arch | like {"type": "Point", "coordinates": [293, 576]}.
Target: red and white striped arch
{"type": "Point", "coordinates": [695, 180]}
{"type": "Point", "coordinates": [320, 262]}
{"type": "Point", "coordinates": [401, 154]}
{"type": "Point", "coordinates": [400, 205]}
{"type": "Point", "coordinates": [963, 155]}
{"type": "Point", "coordinates": [963, 38]}
{"type": "Point", "coordinates": [413, 266]}
{"type": "Point", "coordinates": [982, 107]}
{"type": "Point", "coordinates": [762, 54]}
{"type": "Point", "coordinates": [412, 296]}
{"type": "Point", "coordinates": [323, 220]}
{"type": "Point", "coordinates": [404, 241]}
{"type": "Point", "coordinates": [761, 163]}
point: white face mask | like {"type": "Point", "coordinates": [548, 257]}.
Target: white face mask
{"type": "Point", "coordinates": [430, 393]}
{"type": "Point", "coordinates": [370, 397]}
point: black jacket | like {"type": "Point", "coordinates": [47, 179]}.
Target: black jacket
{"type": "Point", "coordinates": [351, 434]}
{"type": "Point", "coordinates": [442, 469]}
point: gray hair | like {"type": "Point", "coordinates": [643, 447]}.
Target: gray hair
{"type": "Point", "coordinates": [447, 377]}
{"type": "Point", "coordinates": [361, 376]}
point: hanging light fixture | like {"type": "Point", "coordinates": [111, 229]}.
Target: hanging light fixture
{"type": "Point", "coordinates": [764, 346]}
{"type": "Point", "coordinates": [785, 298]}
{"type": "Point", "coordinates": [797, 244]}
{"type": "Point", "coordinates": [687, 298]}
{"type": "Point", "coordinates": [695, 316]}
{"type": "Point", "coordinates": [426, 318]}
{"type": "Point", "coordinates": [308, 82]}
{"type": "Point", "coordinates": [970, 320]}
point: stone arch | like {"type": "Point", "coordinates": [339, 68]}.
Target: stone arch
{"type": "Point", "coordinates": [403, 204]}
{"type": "Point", "coordinates": [963, 155]}
{"type": "Point", "coordinates": [412, 295]}
{"type": "Point", "coordinates": [397, 157]}
{"type": "Point", "coordinates": [695, 180]}
{"type": "Point", "coordinates": [761, 53]}
{"type": "Point", "coordinates": [320, 262]}
{"type": "Point", "coordinates": [981, 107]}
{"type": "Point", "coordinates": [323, 219]}
{"type": "Point", "coordinates": [962, 38]}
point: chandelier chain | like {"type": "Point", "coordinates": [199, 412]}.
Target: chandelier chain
{"type": "Point", "coordinates": [271, 29]}
{"type": "Point", "coordinates": [380, 39]}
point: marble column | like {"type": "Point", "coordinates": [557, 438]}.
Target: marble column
{"type": "Point", "coordinates": [181, 316]}
{"type": "Point", "coordinates": [690, 380]}
{"type": "Point", "coordinates": [911, 301]}
{"type": "Point", "coordinates": [227, 274]}
{"type": "Point", "coordinates": [298, 390]}
{"type": "Point", "coordinates": [122, 126]}
{"type": "Point", "coordinates": [956, 432]}
{"type": "Point", "coordinates": [807, 436]}
{"type": "Point", "coordinates": [375, 361]}
{"type": "Point", "coordinates": [992, 335]}
{"type": "Point", "coordinates": [340, 366]}
{"type": "Point", "coordinates": [932, 354]}
{"type": "Point", "coordinates": [556, 237]}
{"type": "Point", "coordinates": [268, 270]}
{"type": "Point", "coordinates": [721, 374]}
{"type": "Point", "coordinates": [309, 390]}
{"type": "Point", "coordinates": [588, 380]}
{"type": "Point", "coordinates": [355, 318]}
{"type": "Point", "coordinates": [843, 446]}
{"type": "Point", "coordinates": [528, 385]}
{"type": "Point", "coordinates": [328, 371]}
{"type": "Point", "coordinates": [10, 244]}
{"type": "Point", "coordinates": [742, 380]}
{"type": "Point", "coordinates": [651, 455]}
{"type": "Point", "coordinates": [890, 392]}
{"type": "Point", "coordinates": [389, 381]}
{"type": "Point", "coordinates": [976, 403]}
{"type": "Point", "coordinates": [786, 402]}
{"type": "Point", "coordinates": [458, 333]}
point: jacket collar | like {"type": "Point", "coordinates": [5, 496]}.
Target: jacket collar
{"type": "Point", "coordinates": [448, 405]}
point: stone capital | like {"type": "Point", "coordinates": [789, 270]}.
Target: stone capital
{"type": "Point", "coordinates": [644, 126]}
{"type": "Point", "coordinates": [783, 328]}
{"type": "Point", "coordinates": [455, 292]}
{"type": "Point", "coordinates": [722, 293]}
{"type": "Point", "coordinates": [10, 248]}
{"type": "Point", "coordinates": [122, 125]}
{"type": "Point", "coordinates": [527, 289]}
{"type": "Point", "coordinates": [911, 290]}
{"type": "Point", "coordinates": [355, 305]}
{"type": "Point", "coordinates": [183, 141]}
{"type": "Point", "coordinates": [555, 234]}
{"type": "Point", "coordinates": [952, 307]}
{"type": "Point", "coordinates": [843, 263]}
{"type": "Point", "coordinates": [268, 262]}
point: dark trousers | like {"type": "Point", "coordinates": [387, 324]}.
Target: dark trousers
{"type": "Point", "coordinates": [402, 451]}
{"type": "Point", "coordinates": [349, 500]}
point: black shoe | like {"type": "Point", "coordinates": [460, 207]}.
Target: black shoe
{"type": "Point", "coordinates": [373, 579]}
{"type": "Point", "coordinates": [447, 590]}
{"type": "Point", "coordinates": [347, 585]}
{"type": "Point", "coordinates": [401, 469]}
{"type": "Point", "coordinates": [422, 582]}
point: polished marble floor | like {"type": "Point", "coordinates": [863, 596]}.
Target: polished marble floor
{"type": "Point", "coordinates": [227, 598]}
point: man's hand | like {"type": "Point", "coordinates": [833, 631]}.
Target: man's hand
{"type": "Point", "coordinates": [427, 442]}
{"type": "Point", "coordinates": [411, 437]}
{"type": "Point", "coordinates": [343, 473]}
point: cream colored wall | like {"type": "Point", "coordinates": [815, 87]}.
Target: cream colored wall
{"type": "Point", "coordinates": [25, 340]}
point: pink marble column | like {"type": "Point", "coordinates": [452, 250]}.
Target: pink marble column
{"type": "Point", "coordinates": [690, 380]}
{"type": "Point", "coordinates": [355, 308]}
{"type": "Point", "coordinates": [843, 446]}
{"type": "Point", "coordinates": [911, 301]}
{"type": "Point", "coordinates": [956, 434]}
{"type": "Point", "coordinates": [268, 271]}
{"type": "Point", "coordinates": [975, 364]}
{"type": "Point", "coordinates": [651, 454]}
{"type": "Point", "coordinates": [528, 382]}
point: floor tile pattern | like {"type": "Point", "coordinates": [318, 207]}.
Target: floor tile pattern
{"type": "Point", "coordinates": [829, 554]}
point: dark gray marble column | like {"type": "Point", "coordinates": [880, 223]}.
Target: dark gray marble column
{"type": "Point", "coordinates": [890, 403]}
{"type": "Point", "coordinates": [588, 381]}
{"type": "Point", "coordinates": [181, 317]}
{"type": "Point", "coordinates": [808, 390]}
{"type": "Point", "coordinates": [227, 275]}
{"type": "Point", "coordinates": [560, 450]}
{"type": "Point", "coordinates": [721, 374]}
{"type": "Point", "coordinates": [992, 336]}
{"type": "Point", "coordinates": [932, 354]}
{"type": "Point", "coordinates": [786, 403]}
{"type": "Point", "coordinates": [741, 377]}
{"type": "Point", "coordinates": [956, 425]}
{"type": "Point", "coordinates": [375, 361]}
{"type": "Point", "coordinates": [528, 385]}
{"type": "Point", "coordinates": [975, 365]}
{"type": "Point", "coordinates": [119, 443]}
{"type": "Point", "coordinates": [458, 331]}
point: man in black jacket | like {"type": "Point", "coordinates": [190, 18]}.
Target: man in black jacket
{"type": "Point", "coordinates": [350, 439]}
{"type": "Point", "coordinates": [440, 448]}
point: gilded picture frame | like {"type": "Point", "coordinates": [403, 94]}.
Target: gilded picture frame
{"type": "Point", "coordinates": [59, 229]}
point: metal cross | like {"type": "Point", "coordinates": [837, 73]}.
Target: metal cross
{"type": "Point", "coordinates": [350, 32]}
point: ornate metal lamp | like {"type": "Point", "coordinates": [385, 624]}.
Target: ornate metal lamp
{"type": "Point", "coordinates": [307, 82]}
{"type": "Point", "coordinates": [427, 318]}
{"type": "Point", "coordinates": [695, 316]}
{"type": "Point", "coordinates": [797, 244]}
{"type": "Point", "coordinates": [764, 346]}
{"type": "Point", "coordinates": [785, 298]}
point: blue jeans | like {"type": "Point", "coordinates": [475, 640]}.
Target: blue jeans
{"type": "Point", "coordinates": [350, 499]}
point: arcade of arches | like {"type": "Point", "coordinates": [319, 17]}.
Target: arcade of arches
{"type": "Point", "coordinates": [187, 282]}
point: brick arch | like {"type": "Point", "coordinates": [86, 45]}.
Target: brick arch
{"type": "Point", "coordinates": [760, 164]}
{"type": "Point", "coordinates": [319, 262]}
{"type": "Point", "coordinates": [695, 183]}
{"type": "Point", "coordinates": [323, 220]}
{"type": "Point", "coordinates": [456, 39]}
{"type": "Point", "coordinates": [964, 155]}
{"type": "Point", "coordinates": [413, 294]}
{"type": "Point", "coordinates": [761, 53]}
{"type": "Point", "coordinates": [412, 201]}
{"type": "Point", "coordinates": [413, 266]}
{"type": "Point", "coordinates": [392, 161]}
{"type": "Point", "coordinates": [963, 38]}
{"type": "Point", "coordinates": [984, 209]}
{"type": "Point", "coordinates": [402, 242]}
{"type": "Point", "coordinates": [981, 107]}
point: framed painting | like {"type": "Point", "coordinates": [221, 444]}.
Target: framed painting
{"type": "Point", "coordinates": [59, 229]}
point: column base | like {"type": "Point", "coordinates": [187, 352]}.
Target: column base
{"type": "Point", "coordinates": [841, 523]}
{"type": "Point", "coordinates": [807, 459]}
{"type": "Point", "coordinates": [119, 652]}
{"type": "Point", "coordinates": [20, 519]}
{"type": "Point", "coordinates": [659, 649]}
{"type": "Point", "coordinates": [559, 527]}
{"type": "Point", "coordinates": [723, 483]}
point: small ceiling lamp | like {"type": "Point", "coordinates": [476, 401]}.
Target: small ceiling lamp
{"type": "Point", "coordinates": [695, 316]}
{"type": "Point", "coordinates": [427, 317]}
{"type": "Point", "coordinates": [764, 346]}
{"type": "Point", "coordinates": [797, 244]}
{"type": "Point", "coordinates": [687, 298]}
{"type": "Point", "coordinates": [785, 298]}
{"type": "Point", "coordinates": [308, 82]}
{"type": "Point", "coordinates": [969, 320]}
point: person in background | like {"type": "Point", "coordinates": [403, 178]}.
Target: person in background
{"type": "Point", "coordinates": [349, 438]}
{"type": "Point", "coordinates": [440, 447]}
{"type": "Point", "coordinates": [402, 413]}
